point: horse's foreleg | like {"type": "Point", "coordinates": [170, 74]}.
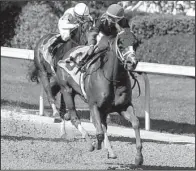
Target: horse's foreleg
{"type": "Point", "coordinates": [98, 125]}
{"type": "Point", "coordinates": [107, 144]}
{"type": "Point", "coordinates": [129, 115]}
{"type": "Point", "coordinates": [47, 88]}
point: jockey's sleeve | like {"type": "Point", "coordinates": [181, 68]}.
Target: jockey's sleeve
{"type": "Point", "coordinates": [64, 22]}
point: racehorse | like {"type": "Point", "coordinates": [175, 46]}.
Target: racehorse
{"type": "Point", "coordinates": [44, 69]}
{"type": "Point", "coordinates": [107, 83]}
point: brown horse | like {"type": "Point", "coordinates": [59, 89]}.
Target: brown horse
{"type": "Point", "coordinates": [107, 85]}
{"type": "Point", "coordinates": [44, 70]}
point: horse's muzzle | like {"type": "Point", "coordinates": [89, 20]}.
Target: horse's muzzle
{"type": "Point", "coordinates": [131, 65]}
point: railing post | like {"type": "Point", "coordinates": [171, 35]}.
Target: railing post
{"type": "Point", "coordinates": [41, 101]}
{"type": "Point", "coordinates": [91, 118]}
{"type": "Point", "coordinates": [147, 101]}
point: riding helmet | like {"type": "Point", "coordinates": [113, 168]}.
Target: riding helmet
{"type": "Point", "coordinates": [81, 10]}
{"type": "Point", "coordinates": [115, 11]}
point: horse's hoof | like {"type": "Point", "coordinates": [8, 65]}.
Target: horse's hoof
{"type": "Point", "coordinates": [112, 156]}
{"type": "Point", "coordinates": [91, 148]}
{"type": "Point", "coordinates": [57, 120]}
{"type": "Point", "coordinates": [139, 160]}
{"type": "Point", "coordinates": [67, 116]}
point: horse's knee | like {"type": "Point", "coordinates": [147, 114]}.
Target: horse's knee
{"type": "Point", "coordinates": [100, 137]}
{"type": "Point", "coordinates": [135, 123]}
{"type": "Point", "coordinates": [74, 118]}
{"type": "Point", "coordinates": [139, 147]}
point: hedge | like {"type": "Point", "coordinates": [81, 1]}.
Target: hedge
{"type": "Point", "coordinates": [146, 27]}
{"type": "Point", "coordinates": [35, 21]}
{"type": "Point", "coordinates": [164, 38]}
{"type": "Point", "coordinates": [9, 12]}
{"type": "Point", "coordinates": [170, 49]}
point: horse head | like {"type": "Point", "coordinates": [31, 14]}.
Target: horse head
{"type": "Point", "coordinates": [125, 47]}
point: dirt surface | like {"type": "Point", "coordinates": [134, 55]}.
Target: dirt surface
{"type": "Point", "coordinates": [32, 145]}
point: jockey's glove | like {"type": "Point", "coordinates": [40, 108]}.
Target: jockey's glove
{"type": "Point", "coordinates": [91, 50]}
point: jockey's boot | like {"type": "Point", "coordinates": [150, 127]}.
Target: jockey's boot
{"type": "Point", "coordinates": [54, 44]}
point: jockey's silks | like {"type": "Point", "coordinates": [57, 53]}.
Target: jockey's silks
{"type": "Point", "coordinates": [103, 26]}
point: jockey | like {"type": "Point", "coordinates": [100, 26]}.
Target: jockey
{"type": "Point", "coordinates": [109, 24]}
{"type": "Point", "coordinates": [71, 19]}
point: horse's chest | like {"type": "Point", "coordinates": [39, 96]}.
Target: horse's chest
{"type": "Point", "coordinates": [122, 96]}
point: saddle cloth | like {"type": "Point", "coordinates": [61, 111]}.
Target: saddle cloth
{"type": "Point", "coordinates": [71, 66]}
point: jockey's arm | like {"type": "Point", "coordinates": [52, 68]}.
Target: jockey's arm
{"type": "Point", "coordinates": [65, 23]}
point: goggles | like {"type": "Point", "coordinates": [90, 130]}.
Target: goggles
{"type": "Point", "coordinates": [113, 20]}
{"type": "Point", "coordinates": [82, 18]}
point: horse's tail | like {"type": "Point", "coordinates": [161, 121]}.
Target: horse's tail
{"type": "Point", "coordinates": [33, 69]}
{"type": "Point", "coordinates": [33, 73]}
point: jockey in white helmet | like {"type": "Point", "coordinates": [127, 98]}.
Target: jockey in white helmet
{"type": "Point", "coordinates": [71, 19]}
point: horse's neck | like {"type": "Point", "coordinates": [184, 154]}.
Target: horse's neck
{"type": "Point", "coordinates": [80, 37]}
{"type": "Point", "coordinates": [111, 67]}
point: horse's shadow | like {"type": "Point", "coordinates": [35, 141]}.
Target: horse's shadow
{"type": "Point", "coordinates": [132, 140]}
{"type": "Point", "coordinates": [119, 166]}
{"type": "Point", "coordinates": [156, 125]}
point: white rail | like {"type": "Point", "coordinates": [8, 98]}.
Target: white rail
{"type": "Point", "coordinates": [143, 67]}
{"type": "Point", "coordinates": [17, 53]}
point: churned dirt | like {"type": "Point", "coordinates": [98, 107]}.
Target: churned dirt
{"type": "Point", "coordinates": [33, 145]}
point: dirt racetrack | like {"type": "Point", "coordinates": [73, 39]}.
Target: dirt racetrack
{"type": "Point", "coordinates": [34, 145]}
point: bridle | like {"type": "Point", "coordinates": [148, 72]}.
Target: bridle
{"type": "Point", "coordinates": [122, 57]}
